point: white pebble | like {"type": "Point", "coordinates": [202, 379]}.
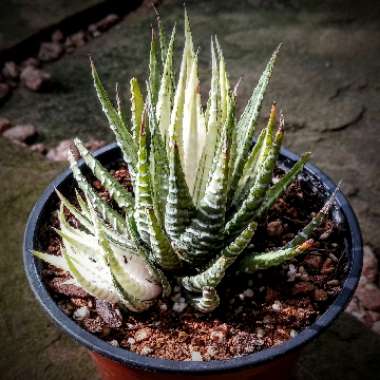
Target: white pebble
{"type": "Point", "coordinates": [248, 293]}
{"type": "Point", "coordinates": [146, 350]}
{"type": "Point", "coordinates": [293, 333]}
{"type": "Point", "coordinates": [260, 333]}
{"type": "Point", "coordinates": [217, 336]}
{"type": "Point", "coordinates": [164, 307]}
{"type": "Point", "coordinates": [81, 313]}
{"type": "Point", "coordinates": [292, 272]}
{"type": "Point", "coordinates": [196, 356]}
{"type": "Point", "coordinates": [142, 334]}
{"type": "Point", "coordinates": [114, 343]}
{"type": "Point", "coordinates": [212, 351]}
{"type": "Point", "coordinates": [179, 307]}
{"type": "Point", "coordinates": [276, 306]}
{"type": "Point", "coordinates": [131, 341]}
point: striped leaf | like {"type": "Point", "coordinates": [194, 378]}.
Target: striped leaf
{"type": "Point", "coordinates": [118, 193]}
{"type": "Point", "coordinates": [164, 102]}
{"type": "Point", "coordinates": [143, 193]}
{"type": "Point", "coordinates": [137, 107]}
{"type": "Point", "coordinates": [214, 274]}
{"type": "Point", "coordinates": [117, 124]}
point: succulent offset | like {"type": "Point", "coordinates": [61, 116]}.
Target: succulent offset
{"type": "Point", "coordinates": [200, 187]}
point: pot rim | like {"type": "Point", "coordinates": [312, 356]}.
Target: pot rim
{"type": "Point", "coordinates": [147, 363]}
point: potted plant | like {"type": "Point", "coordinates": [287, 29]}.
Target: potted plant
{"type": "Point", "coordinates": [208, 254]}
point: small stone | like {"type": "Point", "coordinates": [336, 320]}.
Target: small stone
{"type": "Point", "coordinates": [131, 341]}
{"type": "Point", "coordinates": [376, 327]}
{"type": "Point", "coordinates": [93, 325]}
{"type": "Point", "coordinates": [320, 295]}
{"type": "Point", "coordinates": [313, 261]}
{"type": "Point", "coordinates": [370, 264]}
{"type": "Point", "coordinates": [260, 332]}
{"type": "Point", "coordinates": [5, 92]}
{"type": "Point", "coordinates": [163, 307]}
{"type": "Point", "coordinates": [369, 296]}
{"type": "Point", "coordinates": [302, 288]}
{"type": "Point", "coordinates": [34, 79]}
{"type": "Point", "coordinates": [179, 307]}
{"type": "Point", "coordinates": [50, 51]}
{"type": "Point", "coordinates": [21, 133]}
{"type": "Point", "coordinates": [93, 30]}
{"type": "Point", "coordinates": [275, 228]}
{"type": "Point", "coordinates": [293, 333]}
{"type": "Point", "coordinates": [38, 148]}
{"type": "Point", "coordinates": [57, 36]}
{"type": "Point", "coordinates": [292, 273]}
{"type": "Point", "coordinates": [248, 293]}
{"type": "Point", "coordinates": [212, 351]}
{"type": "Point", "coordinates": [146, 350]}
{"type": "Point", "coordinates": [182, 336]}
{"type": "Point", "coordinates": [196, 356]}
{"type": "Point", "coordinates": [328, 266]}
{"type": "Point", "coordinates": [277, 306]}
{"type": "Point", "coordinates": [109, 313]}
{"type": "Point", "coordinates": [78, 39]}
{"type": "Point", "coordinates": [217, 336]}
{"type": "Point", "coordinates": [114, 343]}
{"type": "Point", "coordinates": [142, 334]}
{"type": "Point", "coordinates": [107, 22]}
{"type": "Point", "coordinates": [81, 313]}
{"type": "Point", "coordinates": [10, 70]}
{"type": "Point", "coordinates": [59, 153]}
{"type": "Point", "coordinates": [4, 124]}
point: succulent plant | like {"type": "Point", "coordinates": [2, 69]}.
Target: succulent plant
{"type": "Point", "coordinates": [201, 186]}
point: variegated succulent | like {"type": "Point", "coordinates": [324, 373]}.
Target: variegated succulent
{"type": "Point", "coordinates": [200, 184]}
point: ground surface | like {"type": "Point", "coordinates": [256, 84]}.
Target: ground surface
{"type": "Point", "coordinates": [327, 82]}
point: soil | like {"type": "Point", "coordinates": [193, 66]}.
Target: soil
{"type": "Point", "coordinates": [257, 311]}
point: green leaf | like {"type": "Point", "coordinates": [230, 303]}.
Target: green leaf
{"type": "Point", "coordinates": [206, 303]}
{"type": "Point", "coordinates": [159, 166]}
{"type": "Point", "coordinates": [206, 231]}
{"type": "Point", "coordinates": [215, 272]}
{"type": "Point", "coordinates": [106, 211]}
{"type": "Point", "coordinates": [164, 103]}
{"type": "Point", "coordinates": [92, 277]}
{"type": "Point", "coordinates": [82, 218]}
{"type": "Point", "coordinates": [255, 160]}
{"type": "Point", "coordinates": [137, 107]}
{"type": "Point", "coordinates": [143, 193]}
{"type": "Point", "coordinates": [277, 189]}
{"type": "Point", "coordinates": [118, 193]}
{"type": "Point", "coordinates": [257, 261]}
{"type": "Point", "coordinates": [162, 251]}
{"type": "Point", "coordinates": [179, 205]}
{"type": "Point", "coordinates": [154, 68]}
{"type": "Point", "coordinates": [257, 193]}
{"type": "Point", "coordinates": [123, 137]}
{"type": "Point", "coordinates": [56, 261]}
{"type": "Point", "coordinates": [247, 124]}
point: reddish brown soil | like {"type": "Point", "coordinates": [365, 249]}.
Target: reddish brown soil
{"type": "Point", "coordinates": [257, 311]}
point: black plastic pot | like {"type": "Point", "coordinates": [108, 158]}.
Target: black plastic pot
{"type": "Point", "coordinates": [118, 363]}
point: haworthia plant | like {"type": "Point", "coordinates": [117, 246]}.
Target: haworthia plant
{"type": "Point", "coordinates": [201, 187]}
